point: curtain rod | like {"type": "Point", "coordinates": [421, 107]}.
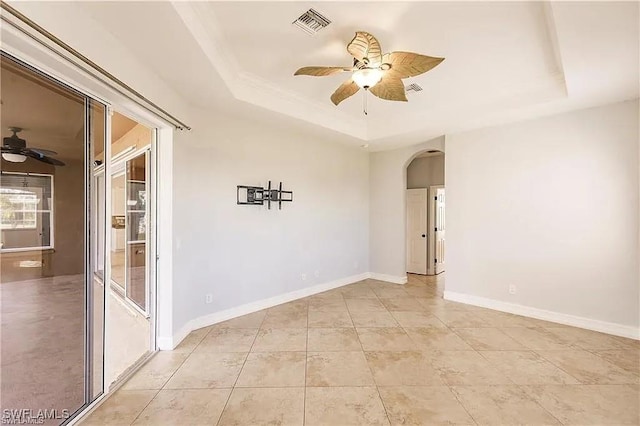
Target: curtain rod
{"type": "Point", "coordinates": [129, 92]}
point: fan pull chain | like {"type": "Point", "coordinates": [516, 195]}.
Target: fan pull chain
{"type": "Point", "coordinates": [364, 102]}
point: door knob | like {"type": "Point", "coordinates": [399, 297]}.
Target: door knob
{"type": "Point", "coordinates": [424, 235]}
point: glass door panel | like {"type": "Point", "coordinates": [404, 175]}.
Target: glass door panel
{"type": "Point", "coordinates": [96, 227]}
{"type": "Point", "coordinates": [46, 287]}
{"type": "Point", "coordinates": [130, 332]}
{"type": "Point", "coordinates": [136, 223]}
{"type": "Point", "coordinates": [118, 232]}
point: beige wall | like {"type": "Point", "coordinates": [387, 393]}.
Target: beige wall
{"type": "Point", "coordinates": [424, 172]}
{"type": "Point", "coordinates": [138, 137]}
{"type": "Point", "coordinates": [550, 206]}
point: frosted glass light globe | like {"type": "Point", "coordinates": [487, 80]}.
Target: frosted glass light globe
{"type": "Point", "coordinates": [366, 78]}
{"type": "Point", "coordinates": [14, 158]}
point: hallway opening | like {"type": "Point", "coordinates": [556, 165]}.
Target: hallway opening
{"type": "Point", "coordinates": [425, 210]}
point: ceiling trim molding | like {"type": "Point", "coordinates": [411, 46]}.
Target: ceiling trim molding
{"type": "Point", "coordinates": [249, 87]}
{"type": "Point", "coordinates": [514, 100]}
{"type": "Point", "coordinates": [552, 33]}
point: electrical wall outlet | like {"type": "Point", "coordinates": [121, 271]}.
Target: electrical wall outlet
{"type": "Point", "coordinates": [513, 289]}
{"type": "Point", "coordinates": [317, 274]}
{"type": "Point", "coordinates": [303, 276]}
{"type": "Point", "coordinates": [208, 298]}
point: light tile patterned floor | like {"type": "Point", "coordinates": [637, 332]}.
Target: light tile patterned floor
{"type": "Point", "coordinates": [375, 353]}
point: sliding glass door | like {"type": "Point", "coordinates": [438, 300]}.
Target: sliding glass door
{"type": "Point", "coordinates": [52, 304]}
{"type": "Point", "coordinates": [77, 253]}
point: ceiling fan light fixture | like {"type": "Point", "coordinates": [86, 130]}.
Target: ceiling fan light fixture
{"type": "Point", "coordinates": [366, 78]}
{"type": "Point", "coordinates": [371, 67]}
{"type": "Point", "coordinates": [14, 158]}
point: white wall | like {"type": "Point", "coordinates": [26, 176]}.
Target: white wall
{"type": "Point", "coordinates": [387, 183]}
{"type": "Point", "coordinates": [551, 206]}
{"type": "Point", "coordinates": [424, 172]}
{"type": "Point", "coordinates": [243, 254]}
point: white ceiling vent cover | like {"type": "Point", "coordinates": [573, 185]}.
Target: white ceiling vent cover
{"type": "Point", "coordinates": [413, 87]}
{"type": "Point", "coordinates": [311, 22]}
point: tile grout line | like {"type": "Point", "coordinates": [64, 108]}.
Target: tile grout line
{"type": "Point", "coordinates": [167, 381]}
{"type": "Point", "coordinates": [539, 404]}
{"type": "Point", "coordinates": [451, 330]}
{"type": "Point", "coordinates": [241, 368]}
{"type": "Point", "coordinates": [461, 404]}
{"type": "Point", "coordinates": [519, 386]}
{"type": "Point", "coordinates": [145, 407]}
{"type": "Point", "coordinates": [596, 352]}
{"type": "Point", "coordinates": [386, 413]}
{"type": "Point", "coordinates": [187, 357]}
{"type": "Point", "coordinates": [580, 382]}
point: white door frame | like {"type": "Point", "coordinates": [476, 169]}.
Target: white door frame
{"type": "Point", "coordinates": [433, 190]}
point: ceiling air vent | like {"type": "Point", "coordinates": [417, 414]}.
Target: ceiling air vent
{"type": "Point", "coordinates": [413, 87]}
{"type": "Point", "coordinates": [311, 22]}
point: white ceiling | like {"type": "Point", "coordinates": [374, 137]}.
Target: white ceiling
{"type": "Point", "coordinates": [505, 61]}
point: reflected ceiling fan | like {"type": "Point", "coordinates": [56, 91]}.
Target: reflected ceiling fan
{"type": "Point", "coordinates": [15, 150]}
{"type": "Point", "coordinates": [375, 72]}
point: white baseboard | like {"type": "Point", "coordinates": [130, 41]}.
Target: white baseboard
{"type": "Point", "coordinates": [557, 317]}
{"type": "Point", "coordinates": [388, 278]}
{"type": "Point", "coordinates": [169, 343]}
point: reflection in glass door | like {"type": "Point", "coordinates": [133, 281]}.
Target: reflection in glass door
{"type": "Point", "coordinates": [52, 310]}
{"type": "Point", "coordinates": [129, 230]}
{"type": "Point", "coordinates": [118, 233]}
{"type": "Point", "coordinates": [137, 232]}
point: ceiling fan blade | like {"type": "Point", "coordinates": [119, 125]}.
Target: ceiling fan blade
{"type": "Point", "coordinates": [346, 89]}
{"type": "Point", "coordinates": [43, 151]}
{"type": "Point", "coordinates": [43, 158]}
{"type": "Point", "coordinates": [409, 64]}
{"type": "Point", "coordinates": [365, 45]}
{"type": "Point", "coordinates": [390, 88]}
{"type": "Point", "coordinates": [321, 71]}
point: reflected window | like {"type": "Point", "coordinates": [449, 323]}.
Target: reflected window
{"type": "Point", "coordinates": [25, 211]}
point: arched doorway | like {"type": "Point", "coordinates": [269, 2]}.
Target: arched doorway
{"type": "Point", "coordinates": [388, 187]}
{"type": "Point", "coordinates": [425, 208]}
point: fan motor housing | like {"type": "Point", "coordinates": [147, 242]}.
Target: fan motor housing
{"type": "Point", "coordinates": [14, 142]}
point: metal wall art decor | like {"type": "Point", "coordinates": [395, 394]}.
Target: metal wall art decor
{"type": "Point", "coordinates": [257, 195]}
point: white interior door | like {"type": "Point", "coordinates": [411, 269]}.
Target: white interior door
{"type": "Point", "coordinates": [417, 231]}
{"type": "Point", "coordinates": [439, 228]}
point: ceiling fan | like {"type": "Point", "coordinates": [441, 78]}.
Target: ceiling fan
{"type": "Point", "coordinates": [375, 72]}
{"type": "Point", "coordinates": [15, 150]}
